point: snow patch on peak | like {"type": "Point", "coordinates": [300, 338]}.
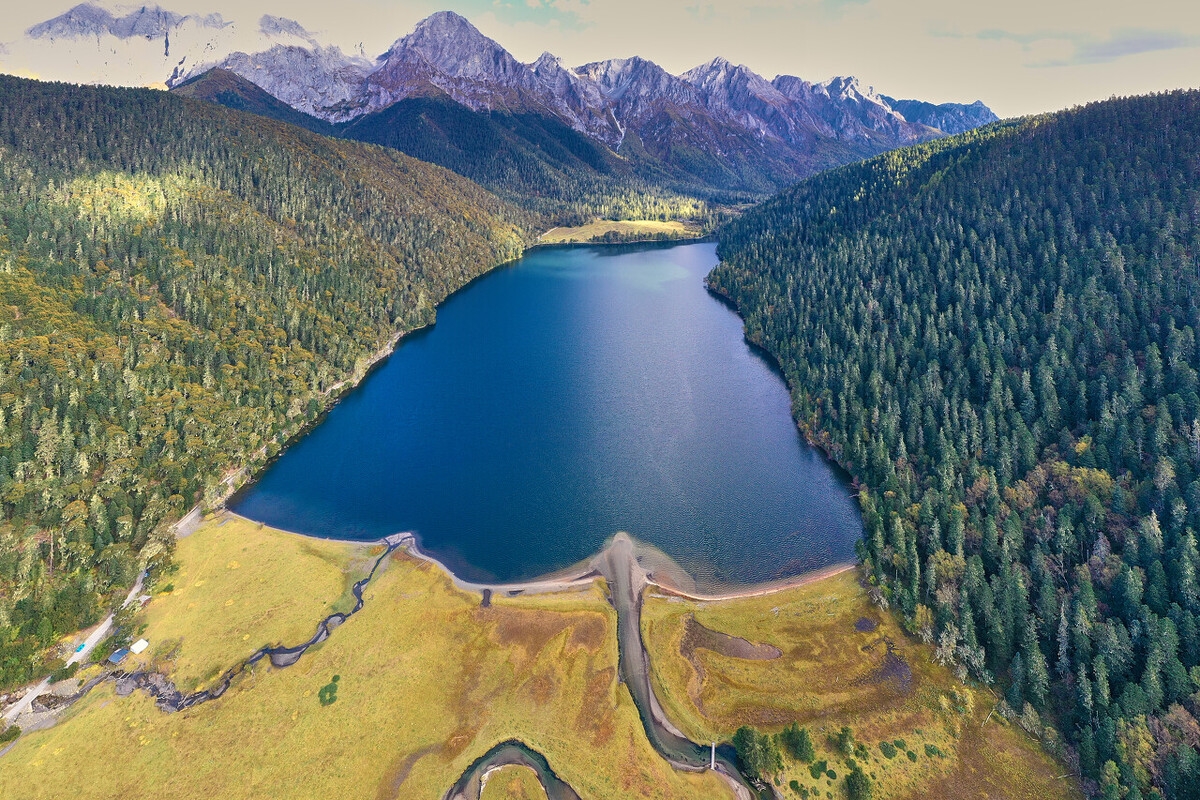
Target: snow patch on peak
{"type": "Point", "coordinates": [270, 25]}
{"type": "Point", "coordinates": [87, 19]}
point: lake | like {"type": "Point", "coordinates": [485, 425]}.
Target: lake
{"type": "Point", "coordinates": [579, 392]}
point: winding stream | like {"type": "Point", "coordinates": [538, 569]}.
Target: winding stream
{"type": "Point", "coordinates": [512, 752]}
{"type": "Point", "coordinates": [626, 579]}
{"type": "Point", "coordinates": [617, 563]}
{"type": "Point", "coordinates": [168, 697]}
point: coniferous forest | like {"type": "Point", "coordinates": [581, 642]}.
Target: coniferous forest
{"type": "Point", "coordinates": [183, 287]}
{"type": "Point", "coordinates": [996, 334]}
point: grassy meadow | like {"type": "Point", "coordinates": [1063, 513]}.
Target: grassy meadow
{"type": "Point", "coordinates": [426, 682]}
{"type": "Point", "coordinates": [842, 663]}
{"type": "Point", "coordinates": [625, 229]}
{"type": "Point", "coordinates": [226, 598]}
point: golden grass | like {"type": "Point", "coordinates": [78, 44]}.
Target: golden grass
{"type": "Point", "coordinates": [241, 586]}
{"type": "Point", "coordinates": [428, 682]}
{"type": "Point", "coordinates": [638, 227]}
{"type": "Point", "coordinates": [829, 675]}
{"type": "Point", "coordinates": [513, 783]}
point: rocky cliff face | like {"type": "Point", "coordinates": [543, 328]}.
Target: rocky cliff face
{"type": "Point", "coordinates": [320, 81]}
{"type": "Point", "coordinates": [946, 117]}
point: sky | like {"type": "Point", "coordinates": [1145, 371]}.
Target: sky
{"type": "Point", "coordinates": [1018, 56]}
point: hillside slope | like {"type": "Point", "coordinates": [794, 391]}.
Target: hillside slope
{"type": "Point", "coordinates": [233, 91]}
{"type": "Point", "coordinates": [996, 333]}
{"type": "Point", "coordinates": [182, 288]}
{"type": "Point", "coordinates": [531, 159]}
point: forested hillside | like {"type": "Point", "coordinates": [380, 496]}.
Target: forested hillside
{"type": "Point", "coordinates": [996, 334]}
{"type": "Point", "coordinates": [182, 286]}
{"type": "Point", "coordinates": [529, 159]}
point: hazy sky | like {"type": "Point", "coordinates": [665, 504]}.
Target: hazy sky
{"type": "Point", "coordinates": [1018, 56]}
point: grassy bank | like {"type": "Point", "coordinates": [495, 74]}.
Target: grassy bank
{"type": "Point", "coordinates": [841, 663]}
{"type": "Point", "coordinates": [604, 230]}
{"type": "Point", "coordinates": [513, 783]}
{"type": "Point", "coordinates": [226, 599]}
{"type": "Point", "coordinates": [427, 681]}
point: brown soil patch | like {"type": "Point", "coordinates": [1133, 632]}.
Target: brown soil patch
{"type": "Point", "coordinates": [893, 671]}
{"type": "Point", "coordinates": [589, 632]}
{"type": "Point", "coordinates": [596, 713]}
{"type": "Point", "coordinates": [541, 688]}
{"type": "Point", "coordinates": [865, 625]}
{"type": "Point", "coordinates": [529, 630]}
{"type": "Point", "coordinates": [697, 636]}
{"type": "Point", "coordinates": [458, 742]}
{"type": "Point", "coordinates": [389, 787]}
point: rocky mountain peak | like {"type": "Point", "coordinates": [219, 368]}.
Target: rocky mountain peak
{"type": "Point", "coordinates": [454, 47]}
{"type": "Point", "coordinates": [708, 71]}
{"type": "Point", "coordinates": [619, 77]}
{"type": "Point", "coordinates": [848, 87]}
{"type": "Point", "coordinates": [82, 20]}
{"type": "Point", "coordinates": [547, 62]}
{"type": "Point", "coordinates": [446, 23]}
{"type": "Point", "coordinates": [713, 113]}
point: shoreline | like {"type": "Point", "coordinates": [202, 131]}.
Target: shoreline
{"type": "Point", "coordinates": [757, 590]}
{"type": "Point", "coordinates": [576, 577]}
{"type": "Point", "coordinates": [688, 234]}
{"type": "Point", "coordinates": [701, 237]}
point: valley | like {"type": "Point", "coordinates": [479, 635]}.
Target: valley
{"type": "Point", "coordinates": [455, 423]}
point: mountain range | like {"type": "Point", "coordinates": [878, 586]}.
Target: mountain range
{"type": "Point", "coordinates": [717, 128]}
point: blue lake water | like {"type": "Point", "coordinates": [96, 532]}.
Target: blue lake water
{"type": "Point", "coordinates": [579, 392]}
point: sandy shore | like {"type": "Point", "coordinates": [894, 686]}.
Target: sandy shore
{"type": "Point", "coordinates": [581, 576]}
{"type": "Point", "coordinates": [576, 578]}
{"type": "Point", "coordinates": [758, 590]}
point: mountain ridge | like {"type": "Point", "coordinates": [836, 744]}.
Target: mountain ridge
{"type": "Point", "coordinates": [719, 124]}
{"type": "Point", "coordinates": [717, 127]}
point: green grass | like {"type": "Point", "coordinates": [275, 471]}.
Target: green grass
{"type": "Point", "coordinates": [829, 676]}
{"type": "Point", "coordinates": [241, 586]}
{"type": "Point", "coordinates": [428, 682]}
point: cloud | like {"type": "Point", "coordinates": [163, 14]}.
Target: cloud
{"type": "Point", "coordinates": [1130, 43]}
{"type": "Point", "coordinates": [836, 4]}
{"type": "Point", "coordinates": [271, 25]}
{"type": "Point", "coordinates": [1074, 49]}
